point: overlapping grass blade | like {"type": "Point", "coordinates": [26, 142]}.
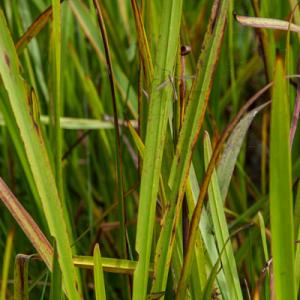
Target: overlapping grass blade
{"type": "Point", "coordinates": [191, 126]}
{"type": "Point", "coordinates": [221, 229]}
{"type": "Point", "coordinates": [28, 225]}
{"type": "Point", "coordinates": [156, 131]}
{"type": "Point", "coordinates": [20, 149]}
{"type": "Point", "coordinates": [34, 29]}
{"type": "Point", "coordinates": [36, 155]}
{"type": "Point", "coordinates": [209, 242]}
{"type": "Point", "coordinates": [88, 25]}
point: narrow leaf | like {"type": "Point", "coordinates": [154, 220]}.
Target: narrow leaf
{"type": "Point", "coordinates": [281, 198]}
{"type": "Point", "coordinates": [36, 154]}
{"type": "Point", "coordinates": [155, 137]}
{"type": "Point", "coordinates": [98, 275]}
{"type": "Point", "coordinates": [6, 262]}
{"type": "Point", "coordinates": [56, 291]}
{"type": "Point", "coordinates": [267, 23]}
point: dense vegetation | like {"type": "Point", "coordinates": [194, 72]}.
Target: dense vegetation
{"type": "Point", "coordinates": [148, 149]}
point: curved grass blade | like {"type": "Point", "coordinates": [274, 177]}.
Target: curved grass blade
{"type": "Point", "coordinates": [36, 155]}
{"type": "Point", "coordinates": [263, 235]}
{"type": "Point", "coordinates": [267, 23]}
{"type": "Point", "coordinates": [232, 149]}
{"type": "Point", "coordinates": [281, 199]}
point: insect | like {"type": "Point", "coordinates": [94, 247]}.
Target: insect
{"type": "Point", "coordinates": [170, 80]}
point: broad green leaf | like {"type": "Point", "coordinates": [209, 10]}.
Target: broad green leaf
{"type": "Point", "coordinates": [281, 197]}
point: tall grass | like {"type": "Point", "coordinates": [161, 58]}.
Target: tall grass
{"type": "Point", "coordinates": [147, 150]}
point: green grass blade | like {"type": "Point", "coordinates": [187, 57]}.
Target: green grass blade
{"type": "Point", "coordinates": [191, 126]}
{"type": "Point", "coordinates": [56, 291]}
{"type": "Point", "coordinates": [112, 265]}
{"type": "Point", "coordinates": [56, 96]}
{"type": "Point", "coordinates": [37, 155]}
{"type": "Point", "coordinates": [263, 235]}
{"type": "Point", "coordinates": [90, 29]}
{"type": "Point", "coordinates": [281, 201]}
{"type": "Point", "coordinates": [209, 240]}
{"type": "Point", "coordinates": [79, 123]}
{"type": "Point", "coordinates": [142, 42]}
{"type": "Point", "coordinates": [156, 131]}
{"type": "Point", "coordinates": [221, 229]}
{"type": "Point", "coordinates": [6, 262]}
{"type": "Point", "coordinates": [34, 29]}
{"type": "Point", "coordinates": [98, 275]}
{"type": "Point", "coordinates": [28, 225]}
{"type": "Point", "coordinates": [297, 232]}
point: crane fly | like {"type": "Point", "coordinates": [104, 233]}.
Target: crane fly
{"type": "Point", "coordinates": [171, 81]}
